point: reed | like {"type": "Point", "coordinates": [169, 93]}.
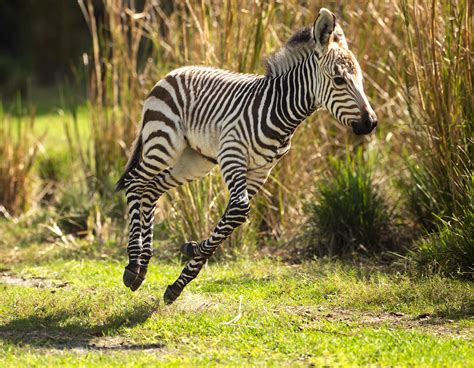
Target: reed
{"type": "Point", "coordinates": [439, 92]}
{"type": "Point", "coordinates": [18, 151]}
{"type": "Point", "coordinates": [115, 91]}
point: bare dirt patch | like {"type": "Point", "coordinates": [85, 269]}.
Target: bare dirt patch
{"type": "Point", "coordinates": [195, 302]}
{"type": "Point", "coordinates": [36, 282]}
{"type": "Point", "coordinates": [56, 340]}
{"type": "Point", "coordinates": [120, 343]}
{"type": "Point", "coordinates": [425, 322]}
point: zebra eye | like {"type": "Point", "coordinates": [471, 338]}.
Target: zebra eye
{"type": "Point", "coordinates": [339, 81]}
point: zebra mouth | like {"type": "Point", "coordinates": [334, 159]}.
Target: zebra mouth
{"type": "Point", "coordinates": [361, 127]}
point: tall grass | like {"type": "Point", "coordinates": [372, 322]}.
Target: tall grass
{"type": "Point", "coordinates": [115, 91]}
{"type": "Point", "coordinates": [439, 93]}
{"type": "Point", "coordinates": [438, 90]}
{"type": "Point", "coordinates": [18, 150]}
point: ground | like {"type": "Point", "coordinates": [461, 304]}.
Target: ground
{"type": "Point", "coordinates": [254, 312]}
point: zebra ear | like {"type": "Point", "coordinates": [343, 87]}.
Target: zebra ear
{"type": "Point", "coordinates": [323, 29]}
{"type": "Point", "coordinates": [339, 36]}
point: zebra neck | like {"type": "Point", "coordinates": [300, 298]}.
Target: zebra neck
{"type": "Point", "coordinates": [295, 96]}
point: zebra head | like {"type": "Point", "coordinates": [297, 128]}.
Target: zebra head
{"type": "Point", "coordinates": [340, 87]}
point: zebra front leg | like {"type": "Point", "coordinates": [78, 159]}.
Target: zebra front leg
{"type": "Point", "coordinates": [255, 179]}
{"type": "Point", "coordinates": [235, 215]}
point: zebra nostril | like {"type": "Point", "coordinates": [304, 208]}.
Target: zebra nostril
{"type": "Point", "coordinates": [365, 119]}
{"type": "Point", "coordinates": [368, 120]}
{"type": "Point", "coordinates": [373, 121]}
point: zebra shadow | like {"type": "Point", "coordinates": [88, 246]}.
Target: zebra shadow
{"type": "Point", "coordinates": [64, 330]}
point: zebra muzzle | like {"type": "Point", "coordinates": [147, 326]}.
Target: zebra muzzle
{"type": "Point", "coordinates": [365, 125]}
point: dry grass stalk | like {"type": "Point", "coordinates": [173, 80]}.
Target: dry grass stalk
{"type": "Point", "coordinates": [18, 149]}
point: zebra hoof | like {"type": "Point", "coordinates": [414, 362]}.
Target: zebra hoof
{"type": "Point", "coordinates": [139, 279]}
{"type": "Point", "coordinates": [170, 296]}
{"type": "Point", "coordinates": [189, 249]}
{"type": "Point", "coordinates": [130, 275]}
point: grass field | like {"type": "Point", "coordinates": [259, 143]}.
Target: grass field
{"type": "Point", "coordinates": [48, 109]}
{"type": "Point", "coordinates": [76, 312]}
{"type": "Point", "coordinates": [51, 125]}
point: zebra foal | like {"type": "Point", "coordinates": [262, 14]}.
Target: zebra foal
{"type": "Point", "coordinates": [199, 117]}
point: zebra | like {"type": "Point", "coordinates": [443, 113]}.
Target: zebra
{"type": "Point", "coordinates": [198, 117]}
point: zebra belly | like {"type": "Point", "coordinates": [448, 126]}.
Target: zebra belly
{"type": "Point", "coordinates": [207, 144]}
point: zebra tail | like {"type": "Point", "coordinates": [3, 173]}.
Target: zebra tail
{"type": "Point", "coordinates": [132, 162]}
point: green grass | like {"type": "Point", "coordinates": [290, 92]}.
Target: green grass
{"type": "Point", "coordinates": [50, 117]}
{"type": "Point", "coordinates": [451, 249]}
{"type": "Point", "coordinates": [77, 313]}
{"type": "Point", "coordinates": [50, 124]}
{"type": "Point", "coordinates": [62, 301]}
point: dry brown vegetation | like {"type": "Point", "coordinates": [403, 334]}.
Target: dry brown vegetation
{"type": "Point", "coordinates": [417, 61]}
{"type": "Point", "coordinates": [18, 150]}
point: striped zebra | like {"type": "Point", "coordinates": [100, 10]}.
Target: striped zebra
{"type": "Point", "coordinates": [199, 117]}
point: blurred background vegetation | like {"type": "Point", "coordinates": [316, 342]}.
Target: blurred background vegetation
{"type": "Point", "coordinates": [73, 75]}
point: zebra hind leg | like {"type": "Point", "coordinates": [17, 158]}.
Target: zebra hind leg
{"type": "Point", "coordinates": [191, 165]}
{"type": "Point", "coordinates": [157, 158]}
{"type": "Point", "coordinates": [150, 197]}
{"type": "Point", "coordinates": [134, 189]}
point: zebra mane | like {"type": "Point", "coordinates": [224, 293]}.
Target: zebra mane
{"type": "Point", "coordinates": [296, 48]}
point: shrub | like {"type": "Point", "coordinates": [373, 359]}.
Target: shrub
{"type": "Point", "coordinates": [74, 209]}
{"type": "Point", "coordinates": [54, 167]}
{"type": "Point", "coordinates": [451, 249]}
{"type": "Point", "coordinates": [348, 213]}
